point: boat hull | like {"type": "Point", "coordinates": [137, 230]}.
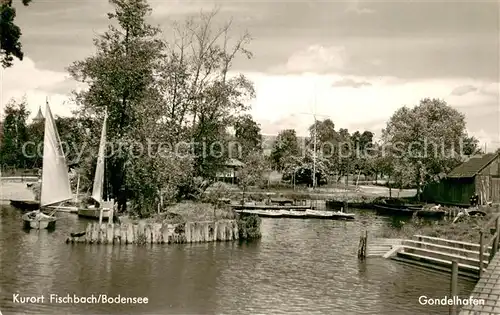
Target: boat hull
{"type": "Point", "coordinates": [308, 214]}
{"type": "Point", "coordinates": [93, 213]}
{"type": "Point", "coordinates": [394, 210]}
{"type": "Point", "coordinates": [25, 205]}
{"type": "Point", "coordinates": [431, 214]}
{"type": "Point", "coordinates": [39, 224]}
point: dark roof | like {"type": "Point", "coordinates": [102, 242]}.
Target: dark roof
{"type": "Point", "coordinates": [473, 166]}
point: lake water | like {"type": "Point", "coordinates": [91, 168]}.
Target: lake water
{"type": "Point", "coordinates": [298, 267]}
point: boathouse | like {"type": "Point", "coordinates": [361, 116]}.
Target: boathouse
{"type": "Point", "coordinates": [229, 174]}
{"type": "Point", "coordinates": [478, 175]}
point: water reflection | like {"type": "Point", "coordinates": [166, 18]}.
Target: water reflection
{"type": "Point", "coordinates": [299, 266]}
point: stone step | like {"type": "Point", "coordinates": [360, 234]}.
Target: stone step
{"type": "Point", "coordinates": [447, 242]}
{"type": "Point", "coordinates": [437, 262]}
{"type": "Point", "coordinates": [430, 266]}
{"type": "Point", "coordinates": [474, 254]}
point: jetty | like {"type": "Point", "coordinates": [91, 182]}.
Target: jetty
{"type": "Point", "coordinates": [301, 214]}
{"type": "Point", "coordinates": [479, 261]}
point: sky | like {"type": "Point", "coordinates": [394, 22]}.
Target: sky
{"type": "Point", "coordinates": [355, 62]}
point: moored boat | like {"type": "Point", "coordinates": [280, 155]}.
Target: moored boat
{"type": "Point", "coordinates": [39, 220]}
{"type": "Point", "coordinates": [271, 207]}
{"type": "Point", "coordinates": [93, 213]}
{"type": "Point", "coordinates": [308, 214]}
{"type": "Point", "coordinates": [55, 183]}
{"type": "Point", "coordinates": [395, 210]}
{"type": "Point", "coordinates": [105, 208]}
{"type": "Point", "coordinates": [25, 205]}
{"type": "Point", "coordinates": [434, 214]}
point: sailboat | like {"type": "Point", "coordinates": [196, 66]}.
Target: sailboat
{"type": "Point", "coordinates": [55, 186]}
{"type": "Point", "coordinates": [105, 207]}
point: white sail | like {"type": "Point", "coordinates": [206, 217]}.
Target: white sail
{"type": "Point", "coordinates": [55, 179]}
{"type": "Point", "coordinates": [99, 170]}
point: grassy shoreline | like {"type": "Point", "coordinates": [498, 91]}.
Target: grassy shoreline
{"type": "Point", "coordinates": [465, 230]}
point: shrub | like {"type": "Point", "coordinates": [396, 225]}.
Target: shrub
{"type": "Point", "coordinates": [249, 227]}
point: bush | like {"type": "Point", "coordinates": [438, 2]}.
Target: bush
{"type": "Point", "coordinates": [249, 227]}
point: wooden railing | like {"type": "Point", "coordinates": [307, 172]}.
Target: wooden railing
{"type": "Point", "coordinates": [492, 241]}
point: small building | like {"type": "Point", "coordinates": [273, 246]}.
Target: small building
{"type": "Point", "coordinates": [478, 175]}
{"type": "Point", "coordinates": [229, 174]}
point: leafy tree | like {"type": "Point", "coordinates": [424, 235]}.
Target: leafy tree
{"type": "Point", "coordinates": [15, 134]}
{"type": "Point", "coordinates": [286, 146]}
{"type": "Point", "coordinates": [10, 34]}
{"type": "Point", "coordinates": [35, 151]}
{"type": "Point", "coordinates": [362, 159]}
{"type": "Point", "coordinates": [121, 79]}
{"type": "Point", "coordinates": [248, 136]}
{"type": "Point", "coordinates": [159, 95]}
{"type": "Point", "coordinates": [252, 173]}
{"type": "Point", "coordinates": [427, 137]}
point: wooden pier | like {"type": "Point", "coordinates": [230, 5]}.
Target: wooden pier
{"type": "Point", "coordinates": [488, 286]}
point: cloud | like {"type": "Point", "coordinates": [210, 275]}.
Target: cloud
{"type": "Point", "coordinates": [186, 7]}
{"type": "Point", "coordinates": [487, 140]}
{"type": "Point", "coordinates": [315, 58]}
{"type": "Point", "coordinates": [490, 89]}
{"type": "Point", "coordinates": [464, 89]}
{"type": "Point", "coordinates": [289, 101]}
{"type": "Point", "coordinates": [355, 7]}
{"type": "Point", "coordinates": [25, 79]}
{"type": "Point", "coordinates": [350, 83]}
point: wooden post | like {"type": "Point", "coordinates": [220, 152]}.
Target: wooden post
{"type": "Point", "coordinates": [366, 244]}
{"type": "Point", "coordinates": [481, 253]}
{"type": "Point", "coordinates": [362, 248]}
{"type": "Point", "coordinates": [454, 286]}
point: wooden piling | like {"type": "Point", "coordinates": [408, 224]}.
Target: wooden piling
{"type": "Point", "coordinates": [363, 245]}
{"type": "Point", "coordinates": [454, 286]}
{"type": "Point", "coordinates": [157, 233]}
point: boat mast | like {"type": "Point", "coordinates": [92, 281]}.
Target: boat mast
{"type": "Point", "coordinates": [315, 139]}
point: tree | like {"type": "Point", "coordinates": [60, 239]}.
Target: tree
{"type": "Point", "coordinates": [35, 151]}
{"type": "Point", "coordinates": [167, 103]}
{"type": "Point", "coordinates": [10, 34]}
{"type": "Point", "coordinates": [286, 146]}
{"type": "Point", "coordinates": [248, 136]}
{"type": "Point", "coordinates": [428, 137]}
{"type": "Point", "coordinates": [121, 79]}
{"type": "Point", "coordinates": [15, 134]}
{"type": "Point", "coordinates": [252, 173]}
{"type": "Point", "coordinates": [201, 99]}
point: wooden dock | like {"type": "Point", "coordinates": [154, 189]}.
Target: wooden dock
{"type": "Point", "coordinates": [488, 289]}
{"type": "Point", "coordinates": [378, 247]}
{"type": "Point", "coordinates": [488, 286]}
